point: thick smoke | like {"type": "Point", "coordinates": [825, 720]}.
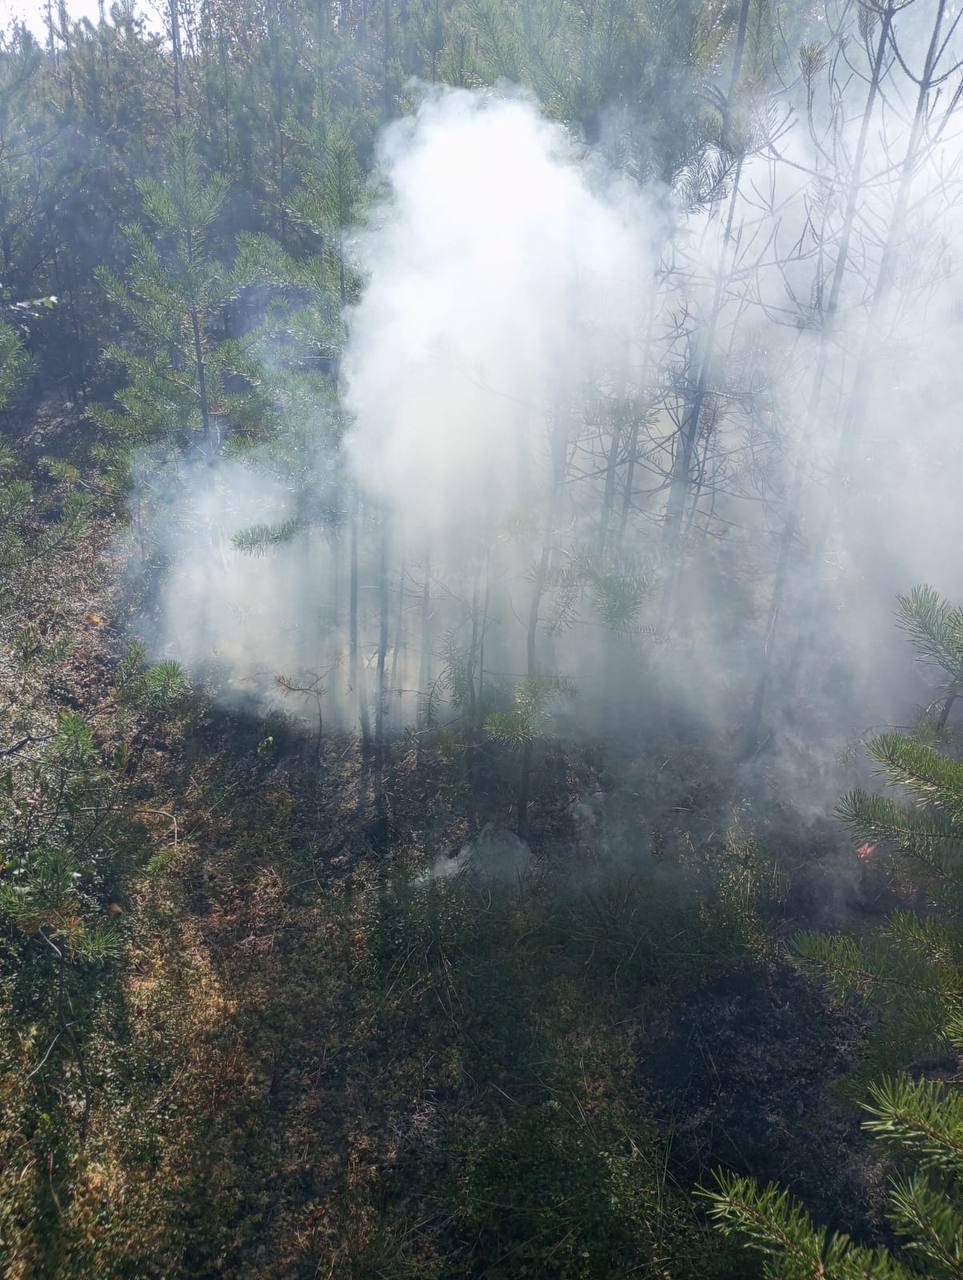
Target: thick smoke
{"type": "Point", "coordinates": [507, 282]}
{"type": "Point", "coordinates": [531, 338]}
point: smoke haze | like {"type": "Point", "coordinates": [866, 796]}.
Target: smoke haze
{"type": "Point", "coordinates": [502, 289]}
{"type": "Point", "coordinates": [535, 335]}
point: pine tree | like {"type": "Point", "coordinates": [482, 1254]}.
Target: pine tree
{"type": "Point", "coordinates": [15, 363]}
{"type": "Point", "coordinates": [26, 544]}
{"type": "Point", "coordinates": [177, 363]}
{"type": "Point", "coordinates": [910, 972]}
{"type": "Point", "coordinates": [72, 836]}
{"type": "Point", "coordinates": [300, 345]}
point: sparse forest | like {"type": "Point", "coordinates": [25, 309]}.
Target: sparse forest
{"type": "Point", "coordinates": [481, 657]}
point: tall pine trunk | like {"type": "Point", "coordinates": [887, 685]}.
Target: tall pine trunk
{"type": "Point", "coordinates": [798, 462]}
{"type": "Point", "coordinates": [356, 672]}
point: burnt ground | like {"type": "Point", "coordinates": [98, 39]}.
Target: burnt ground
{"type": "Point", "coordinates": [301, 1064]}
{"type": "Point", "coordinates": [745, 1079]}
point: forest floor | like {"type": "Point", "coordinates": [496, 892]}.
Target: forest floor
{"type": "Point", "coordinates": [310, 1058]}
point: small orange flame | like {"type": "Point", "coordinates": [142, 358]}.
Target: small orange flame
{"type": "Point", "coordinates": [866, 850]}
{"type": "Point", "coordinates": [95, 618]}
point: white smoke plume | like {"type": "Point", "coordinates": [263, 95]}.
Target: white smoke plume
{"type": "Point", "coordinates": [529, 340]}
{"type": "Point", "coordinates": [506, 280]}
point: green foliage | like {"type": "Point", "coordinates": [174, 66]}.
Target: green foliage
{"type": "Point", "coordinates": [927, 1216]}
{"type": "Point", "coordinates": [28, 542]}
{"type": "Point", "coordinates": [618, 598]}
{"type": "Point", "coordinates": [178, 373]}
{"type": "Point", "coordinates": [923, 1121]}
{"type": "Point", "coordinates": [911, 972]}
{"type": "Point", "coordinates": [593, 586]}
{"type": "Point", "coordinates": [175, 265]}
{"type": "Point", "coordinates": [529, 716]}
{"type": "Point", "coordinates": [73, 743]}
{"type": "Point", "coordinates": [907, 762]}
{"type": "Point", "coordinates": [15, 363]}
{"type": "Point", "coordinates": [935, 628]}
{"type": "Point", "coordinates": [69, 844]}
{"type": "Point", "coordinates": [913, 967]}
{"type": "Point", "coordinates": [333, 191]}
{"type": "Point", "coordinates": [455, 675]}
{"type": "Point", "coordinates": [525, 984]}
{"type": "Point", "coordinates": [257, 539]}
{"type": "Point", "coordinates": [558, 1188]}
{"type": "Point", "coordinates": [919, 831]}
{"type": "Point", "coordinates": [778, 1226]}
{"type": "Point", "coordinates": [25, 541]}
{"type": "Point", "coordinates": [922, 1117]}
{"type": "Point", "coordinates": [158, 689]}
{"type": "Point", "coordinates": [675, 921]}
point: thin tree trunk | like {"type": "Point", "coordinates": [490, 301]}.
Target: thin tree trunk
{"type": "Point", "coordinates": [798, 465]}
{"type": "Point", "coordinates": [611, 473]}
{"type": "Point", "coordinates": [424, 672]}
{"type": "Point", "coordinates": [383, 618]}
{"type": "Point", "coordinates": [884, 280]}
{"type": "Point", "coordinates": [472, 649]}
{"type": "Point", "coordinates": [355, 670]}
{"type": "Point", "coordinates": [689, 431]}
{"type": "Point", "coordinates": [379, 760]}
{"type": "Point", "coordinates": [633, 438]}
{"type": "Point", "coordinates": [212, 442]}
{"type": "Point", "coordinates": [851, 430]}
{"type": "Point", "coordinates": [393, 689]}
{"type": "Point", "coordinates": [424, 666]}
{"type": "Point", "coordinates": [484, 628]}
{"type": "Point", "coordinates": [386, 86]}
{"type": "Point", "coordinates": [531, 638]}
{"type": "Point", "coordinates": [531, 649]}
{"type": "Point", "coordinates": [226, 80]}
{"type": "Point", "coordinates": [947, 707]}
{"type": "Point", "coordinates": [176, 60]}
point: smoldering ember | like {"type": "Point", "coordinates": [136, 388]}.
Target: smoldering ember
{"type": "Point", "coordinates": [481, 658]}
